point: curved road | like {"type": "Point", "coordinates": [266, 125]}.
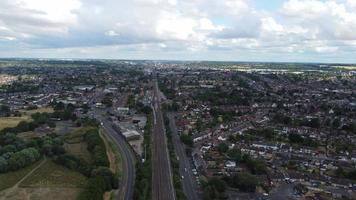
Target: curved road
{"type": "Point", "coordinates": [126, 186]}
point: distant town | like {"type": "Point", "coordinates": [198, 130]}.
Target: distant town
{"type": "Point", "coordinates": [126, 129]}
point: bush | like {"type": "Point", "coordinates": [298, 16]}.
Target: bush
{"type": "Point", "coordinates": [3, 164]}
{"type": "Point", "coordinates": [223, 147]}
{"type": "Point", "coordinates": [22, 158]}
{"type": "Point", "coordinates": [74, 163]}
{"type": "Point", "coordinates": [109, 177]}
{"type": "Point", "coordinates": [212, 188]}
{"type": "Point", "coordinates": [97, 147]}
{"type": "Point", "coordinates": [244, 181]}
{"type": "Point", "coordinates": [257, 166]}
{"type": "Point", "coordinates": [95, 189]}
{"type": "Point", "coordinates": [187, 140]}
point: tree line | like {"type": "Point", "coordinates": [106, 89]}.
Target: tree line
{"type": "Point", "coordinates": [101, 178]}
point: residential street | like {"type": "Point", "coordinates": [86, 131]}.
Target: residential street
{"type": "Point", "coordinates": [185, 166]}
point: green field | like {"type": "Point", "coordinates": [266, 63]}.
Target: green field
{"type": "Point", "coordinates": [76, 135]}
{"type": "Point", "coordinates": [64, 127]}
{"type": "Point", "coordinates": [49, 181]}
{"type": "Point", "coordinates": [9, 122]}
{"type": "Point", "coordinates": [11, 178]}
{"type": "Point", "coordinates": [38, 110]}
{"type": "Point", "coordinates": [52, 181]}
{"type": "Point", "coordinates": [52, 175]}
{"type": "Point", "coordinates": [44, 194]}
{"type": "Point", "coordinates": [74, 143]}
{"type": "Point", "coordinates": [78, 149]}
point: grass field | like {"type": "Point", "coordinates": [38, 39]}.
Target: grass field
{"type": "Point", "coordinates": [27, 135]}
{"type": "Point", "coordinates": [76, 135]}
{"type": "Point", "coordinates": [9, 122]}
{"type": "Point", "coordinates": [78, 149]}
{"type": "Point", "coordinates": [44, 194]}
{"type": "Point", "coordinates": [64, 127]}
{"type": "Point", "coordinates": [56, 176]}
{"type": "Point", "coordinates": [38, 110]}
{"type": "Point", "coordinates": [75, 145]}
{"type": "Point", "coordinates": [49, 181]}
{"type": "Point", "coordinates": [11, 178]}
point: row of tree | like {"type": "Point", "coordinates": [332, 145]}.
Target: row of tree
{"type": "Point", "coordinates": [96, 147]}
{"type": "Point", "coordinates": [15, 153]}
{"type": "Point", "coordinates": [14, 161]}
{"type": "Point", "coordinates": [101, 178]}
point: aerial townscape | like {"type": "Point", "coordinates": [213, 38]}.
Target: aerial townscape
{"type": "Point", "coordinates": [126, 129]}
{"type": "Point", "coordinates": [177, 100]}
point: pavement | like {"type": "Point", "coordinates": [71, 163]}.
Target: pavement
{"type": "Point", "coordinates": [162, 181]}
{"type": "Point", "coordinates": [185, 166]}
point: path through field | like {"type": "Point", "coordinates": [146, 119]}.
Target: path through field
{"type": "Point", "coordinates": [8, 191]}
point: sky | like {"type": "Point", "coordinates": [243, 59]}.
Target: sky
{"type": "Point", "coordinates": [221, 30]}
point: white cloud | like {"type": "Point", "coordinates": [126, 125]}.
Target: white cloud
{"type": "Point", "coordinates": [111, 33]}
{"type": "Point", "coordinates": [175, 27]}
{"type": "Point", "coordinates": [171, 27]}
{"type": "Point", "coordinates": [270, 25]}
{"type": "Point", "coordinates": [326, 49]}
{"type": "Point", "coordinates": [328, 19]}
{"type": "Point", "coordinates": [57, 11]}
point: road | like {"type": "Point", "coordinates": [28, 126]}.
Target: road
{"type": "Point", "coordinates": [128, 158]}
{"type": "Point", "coordinates": [127, 182]}
{"type": "Point", "coordinates": [162, 183]}
{"type": "Point", "coordinates": [185, 167]}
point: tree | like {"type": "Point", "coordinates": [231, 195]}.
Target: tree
{"type": "Point", "coordinates": [213, 188]}
{"type": "Point", "coordinates": [111, 181]}
{"type": "Point", "coordinates": [315, 123]}
{"type": "Point", "coordinates": [222, 147]}
{"type": "Point", "coordinates": [336, 123]}
{"type": "Point", "coordinates": [244, 181]}
{"type": "Point", "coordinates": [8, 148]}
{"type": "Point", "coordinates": [23, 158]}
{"type": "Point", "coordinates": [4, 110]}
{"type": "Point", "coordinates": [257, 166]}
{"type": "Point", "coordinates": [218, 184]}
{"type": "Point", "coordinates": [235, 154]}
{"type": "Point", "coordinates": [3, 164]}
{"type": "Point", "coordinates": [187, 140]}
{"type": "Point", "coordinates": [295, 138]}
{"type": "Point", "coordinates": [59, 106]}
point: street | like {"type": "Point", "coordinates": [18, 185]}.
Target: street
{"type": "Point", "coordinates": [185, 167]}
{"type": "Point", "coordinates": [127, 181]}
